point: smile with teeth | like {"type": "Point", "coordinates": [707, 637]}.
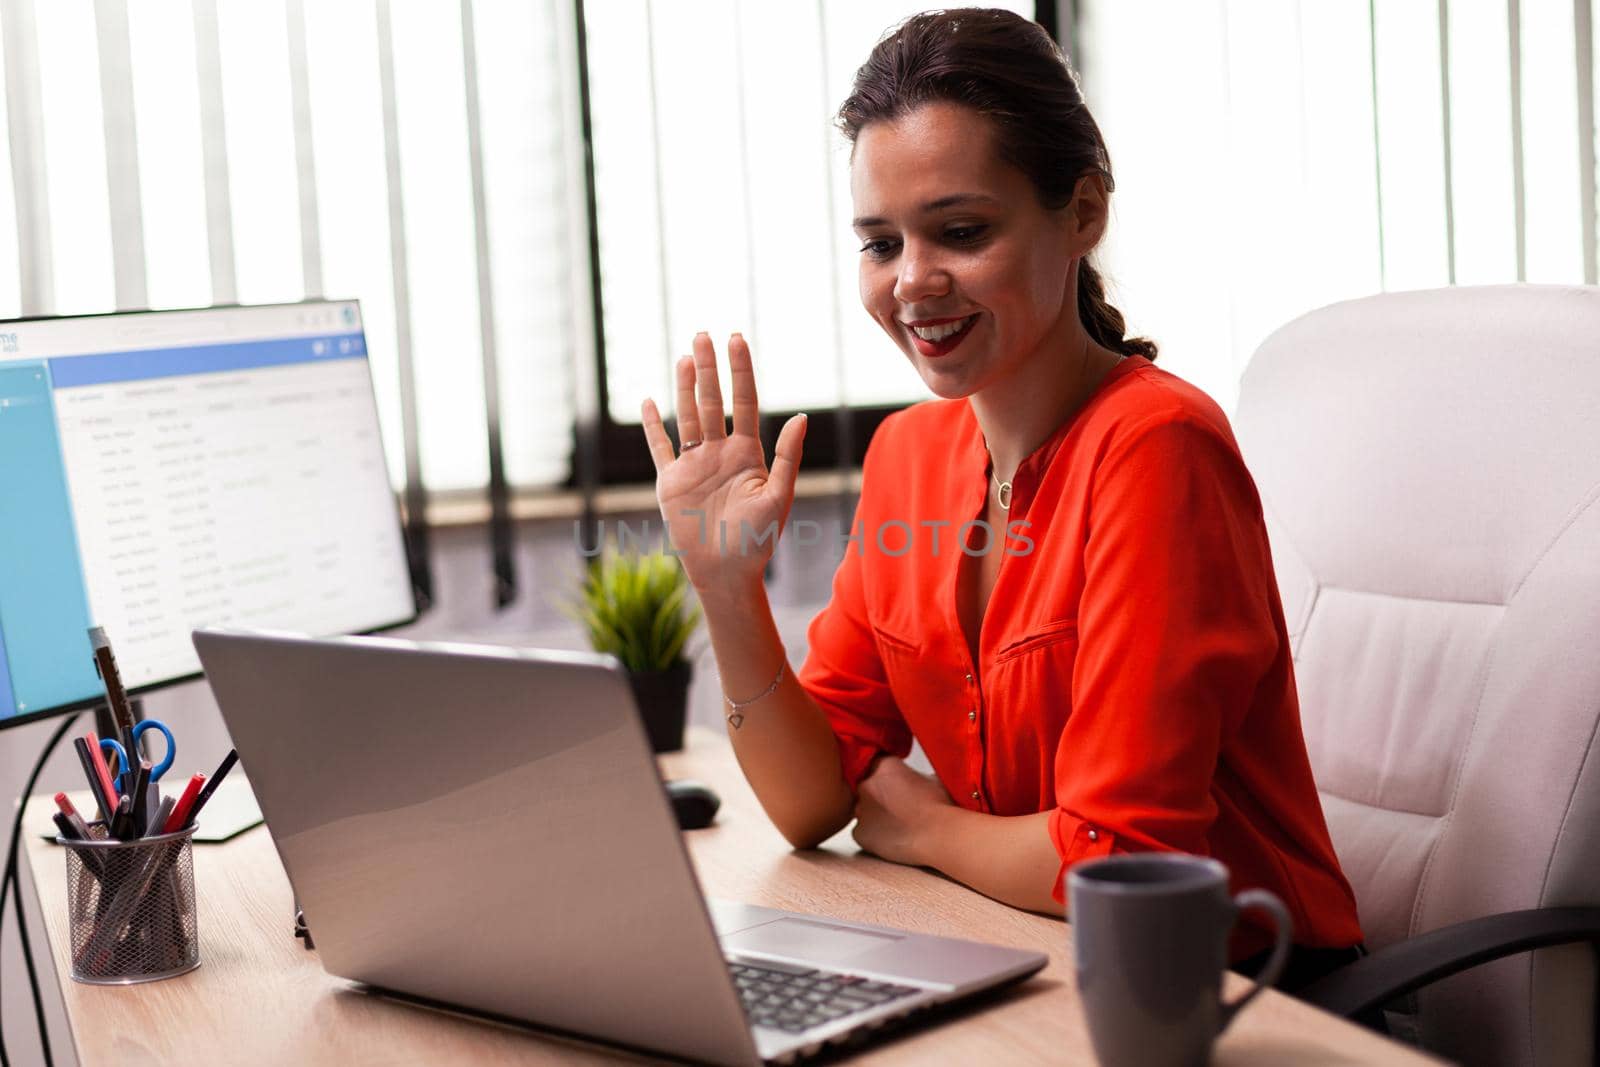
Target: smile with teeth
{"type": "Point", "coordinates": [939, 333]}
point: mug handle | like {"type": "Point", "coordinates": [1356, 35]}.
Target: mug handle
{"type": "Point", "coordinates": [1268, 902]}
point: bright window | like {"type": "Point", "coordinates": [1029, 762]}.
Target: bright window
{"type": "Point", "coordinates": [1292, 153]}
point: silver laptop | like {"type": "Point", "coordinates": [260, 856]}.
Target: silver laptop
{"type": "Point", "coordinates": [484, 828]}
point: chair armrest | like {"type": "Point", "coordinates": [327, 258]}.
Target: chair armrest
{"type": "Point", "coordinates": [1411, 964]}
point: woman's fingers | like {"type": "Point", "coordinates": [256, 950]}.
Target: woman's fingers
{"type": "Point", "coordinates": [786, 457]}
{"type": "Point", "coordinates": [713, 423]}
{"type": "Point", "coordinates": [688, 412]}
{"type": "Point", "coordinates": [655, 435]}
{"type": "Point", "coordinates": [746, 416]}
{"type": "Point", "coordinates": [700, 411]}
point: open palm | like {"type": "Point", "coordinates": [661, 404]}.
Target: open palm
{"type": "Point", "coordinates": [723, 507]}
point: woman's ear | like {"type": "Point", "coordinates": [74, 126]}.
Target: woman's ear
{"type": "Point", "coordinates": [1088, 213]}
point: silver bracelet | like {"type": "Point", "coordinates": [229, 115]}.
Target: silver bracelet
{"type": "Point", "coordinates": [734, 716]}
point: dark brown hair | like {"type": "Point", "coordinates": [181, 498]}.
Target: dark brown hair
{"type": "Point", "coordinates": [1009, 70]}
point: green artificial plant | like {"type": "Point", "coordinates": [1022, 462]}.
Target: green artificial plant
{"type": "Point", "coordinates": [636, 607]}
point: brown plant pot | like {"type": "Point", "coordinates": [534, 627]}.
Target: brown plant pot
{"type": "Point", "coordinates": [663, 699]}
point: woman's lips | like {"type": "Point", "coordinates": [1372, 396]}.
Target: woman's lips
{"type": "Point", "coordinates": [944, 346]}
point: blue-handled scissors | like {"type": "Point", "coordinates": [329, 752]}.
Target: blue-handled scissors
{"type": "Point", "coordinates": [139, 730]}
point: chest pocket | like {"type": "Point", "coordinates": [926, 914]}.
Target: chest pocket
{"type": "Point", "coordinates": [1051, 634]}
{"type": "Point", "coordinates": [914, 682]}
{"type": "Point", "coordinates": [1034, 674]}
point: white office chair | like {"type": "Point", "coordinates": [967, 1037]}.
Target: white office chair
{"type": "Point", "coordinates": [1429, 463]}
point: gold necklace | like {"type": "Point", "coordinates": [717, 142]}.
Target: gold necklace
{"type": "Point", "coordinates": [1003, 494]}
{"type": "Point", "coordinates": [1003, 489]}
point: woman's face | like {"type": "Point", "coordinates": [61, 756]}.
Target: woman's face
{"type": "Point", "coordinates": [954, 237]}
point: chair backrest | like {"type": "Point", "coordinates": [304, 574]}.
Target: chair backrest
{"type": "Point", "coordinates": [1430, 467]}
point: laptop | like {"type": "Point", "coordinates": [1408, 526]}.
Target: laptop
{"type": "Point", "coordinates": [484, 829]}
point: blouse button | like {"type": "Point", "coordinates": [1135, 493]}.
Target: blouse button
{"type": "Point", "coordinates": [1094, 835]}
{"type": "Point", "coordinates": [974, 794]}
{"type": "Point", "coordinates": [972, 716]}
{"type": "Point", "coordinates": [969, 679]}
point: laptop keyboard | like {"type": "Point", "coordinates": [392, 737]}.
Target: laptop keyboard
{"type": "Point", "coordinates": [796, 999]}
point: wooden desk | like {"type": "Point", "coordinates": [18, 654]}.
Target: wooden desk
{"type": "Point", "coordinates": [260, 998]}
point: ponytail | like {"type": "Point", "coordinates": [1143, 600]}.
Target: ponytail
{"type": "Point", "coordinates": [1104, 322]}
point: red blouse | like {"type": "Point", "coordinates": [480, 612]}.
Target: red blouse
{"type": "Point", "coordinates": [1134, 675]}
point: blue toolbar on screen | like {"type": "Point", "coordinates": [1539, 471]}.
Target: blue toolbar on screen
{"type": "Point", "coordinates": [44, 609]}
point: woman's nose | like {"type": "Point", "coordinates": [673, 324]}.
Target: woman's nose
{"type": "Point", "coordinates": [921, 276]}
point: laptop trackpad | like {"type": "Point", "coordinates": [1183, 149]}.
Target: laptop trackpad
{"type": "Point", "coordinates": [807, 939]}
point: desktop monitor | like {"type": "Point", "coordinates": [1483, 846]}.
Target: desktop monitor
{"type": "Point", "coordinates": [166, 470]}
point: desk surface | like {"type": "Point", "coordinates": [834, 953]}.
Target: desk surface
{"type": "Point", "coordinates": [259, 997]}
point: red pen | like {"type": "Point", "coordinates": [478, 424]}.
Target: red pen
{"type": "Point", "coordinates": [180, 810]}
{"type": "Point", "coordinates": [100, 768]}
{"type": "Point", "coordinates": [73, 817]}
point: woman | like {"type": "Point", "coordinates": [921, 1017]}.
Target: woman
{"type": "Point", "coordinates": [1060, 582]}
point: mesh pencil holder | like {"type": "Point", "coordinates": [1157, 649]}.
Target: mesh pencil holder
{"type": "Point", "coordinates": [131, 907]}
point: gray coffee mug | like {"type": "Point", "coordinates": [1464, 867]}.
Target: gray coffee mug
{"type": "Point", "coordinates": [1150, 938]}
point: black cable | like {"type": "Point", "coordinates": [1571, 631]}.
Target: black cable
{"type": "Point", "coordinates": [33, 976]}
{"type": "Point", "coordinates": [5, 1061]}
{"type": "Point", "coordinates": [11, 881]}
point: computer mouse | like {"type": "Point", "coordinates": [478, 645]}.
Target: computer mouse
{"type": "Point", "coordinates": [693, 803]}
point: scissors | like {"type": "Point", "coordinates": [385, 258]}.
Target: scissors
{"type": "Point", "coordinates": [113, 746]}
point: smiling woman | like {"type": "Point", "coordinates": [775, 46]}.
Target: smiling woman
{"type": "Point", "coordinates": [1099, 663]}
{"type": "Point", "coordinates": [972, 285]}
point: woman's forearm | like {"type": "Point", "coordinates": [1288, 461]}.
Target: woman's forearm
{"type": "Point", "coordinates": [1009, 858]}
{"type": "Point", "coordinates": [784, 743]}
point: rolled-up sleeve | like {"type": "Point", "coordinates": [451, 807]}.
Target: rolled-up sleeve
{"type": "Point", "coordinates": [1176, 633]}
{"type": "Point", "coordinates": [843, 671]}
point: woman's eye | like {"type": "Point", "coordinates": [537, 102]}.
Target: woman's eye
{"type": "Point", "coordinates": [965, 234]}
{"type": "Point", "coordinates": [877, 249]}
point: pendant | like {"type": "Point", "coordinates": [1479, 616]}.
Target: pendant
{"type": "Point", "coordinates": [1004, 496]}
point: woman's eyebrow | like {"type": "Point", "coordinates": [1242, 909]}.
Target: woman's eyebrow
{"type": "Point", "coordinates": [953, 200]}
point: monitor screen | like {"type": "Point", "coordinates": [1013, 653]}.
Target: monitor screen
{"type": "Point", "coordinates": [161, 471]}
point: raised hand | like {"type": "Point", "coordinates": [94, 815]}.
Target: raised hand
{"type": "Point", "coordinates": [722, 506]}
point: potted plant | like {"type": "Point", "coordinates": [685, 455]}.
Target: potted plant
{"type": "Point", "coordinates": [637, 608]}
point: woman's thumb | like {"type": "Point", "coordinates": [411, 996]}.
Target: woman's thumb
{"type": "Point", "coordinates": [786, 455]}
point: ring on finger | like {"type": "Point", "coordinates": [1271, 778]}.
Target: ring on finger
{"type": "Point", "coordinates": [688, 445]}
